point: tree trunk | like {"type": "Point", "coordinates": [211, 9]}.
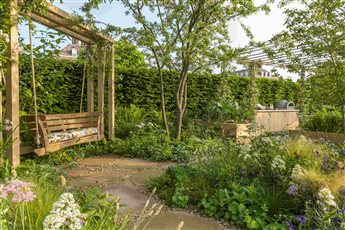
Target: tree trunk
{"type": "Point", "coordinates": [162, 97]}
{"type": "Point", "coordinates": [161, 90]}
{"type": "Point", "coordinates": [181, 102]}
{"type": "Point", "coordinates": [178, 125]}
{"type": "Point", "coordinates": [343, 117]}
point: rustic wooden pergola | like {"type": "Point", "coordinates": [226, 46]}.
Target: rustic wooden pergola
{"type": "Point", "coordinates": [59, 20]}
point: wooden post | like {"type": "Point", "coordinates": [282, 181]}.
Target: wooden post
{"type": "Point", "coordinates": [111, 93]}
{"type": "Point", "coordinates": [90, 83]}
{"type": "Point", "coordinates": [100, 98]}
{"type": "Point", "coordinates": [12, 88]}
{"type": "Point", "coordinates": [1, 77]}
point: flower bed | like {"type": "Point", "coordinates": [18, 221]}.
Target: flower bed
{"type": "Point", "coordinates": [273, 183]}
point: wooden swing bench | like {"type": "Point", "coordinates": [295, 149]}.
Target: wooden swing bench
{"type": "Point", "coordinates": [58, 131]}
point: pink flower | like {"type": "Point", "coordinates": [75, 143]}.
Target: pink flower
{"type": "Point", "coordinates": [18, 191]}
{"type": "Point", "coordinates": [3, 192]}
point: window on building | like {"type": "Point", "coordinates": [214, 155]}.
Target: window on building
{"type": "Point", "coordinates": [74, 52]}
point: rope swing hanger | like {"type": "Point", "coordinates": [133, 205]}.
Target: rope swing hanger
{"type": "Point", "coordinates": [33, 73]}
{"type": "Point", "coordinates": [37, 138]}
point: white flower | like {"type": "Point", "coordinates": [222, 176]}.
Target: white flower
{"type": "Point", "coordinates": [64, 214]}
{"type": "Point", "coordinates": [303, 138]}
{"type": "Point", "coordinates": [246, 156]}
{"type": "Point", "coordinates": [297, 171]}
{"type": "Point", "coordinates": [278, 165]}
{"type": "Point", "coordinates": [142, 125]}
{"type": "Point", "coordinates": [8, 125]}
{"type": "Point", "coordinates": [325, 197]}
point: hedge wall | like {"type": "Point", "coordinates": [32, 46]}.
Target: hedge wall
{"type": "Point", "coordinates": [140, 87]}
{"type": "Point", "coordinates": [59, 87]}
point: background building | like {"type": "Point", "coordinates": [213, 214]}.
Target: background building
{"type": "Point", "coordinates": [261, 73]}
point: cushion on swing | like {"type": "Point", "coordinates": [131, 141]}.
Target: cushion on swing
{"type": "Point", "coordinates": [71, 134]}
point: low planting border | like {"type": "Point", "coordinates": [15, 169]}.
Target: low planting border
{"type": "Point", "coordinates": [336, 138]}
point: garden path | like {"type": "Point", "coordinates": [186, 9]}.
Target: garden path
{"type": "Point", "coordinates": [127, 178]}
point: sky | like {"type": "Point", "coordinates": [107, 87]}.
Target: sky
{"type": "Point", "coordinates": [263, 26]}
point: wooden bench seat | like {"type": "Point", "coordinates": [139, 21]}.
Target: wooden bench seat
{"type": "Point", "coordinates": [58, 131]}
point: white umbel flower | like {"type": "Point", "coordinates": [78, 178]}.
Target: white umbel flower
{"type": "Point", "coordinates": [64, 214]}
{"type": "Point", "coordinates": [325, 197]}
{"type": "Point", "coordinates": [278, 165]}
{"type": "Point", "coordinates": [297, 171]}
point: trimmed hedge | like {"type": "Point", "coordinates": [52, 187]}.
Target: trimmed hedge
{"type": "Point", "coordinates": [141, 87]}
{"type": "Point", "coordinates": [59, 88]}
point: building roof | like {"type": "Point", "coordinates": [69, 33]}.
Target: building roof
{"type": "Point", "coordinates": [67, 51]}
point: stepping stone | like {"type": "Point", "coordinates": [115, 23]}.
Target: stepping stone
{"type": "Point", "coordinates": [170, 220]}
{"type": "Point", "coordinates": [142, 178]}
{"type": "Point", "coordinates": [98, 161]}
{"type": "Point", "coordinates": [101, 161]}
{"type": "Point", "coordinates": [135, 163]}
{"type": "Point", "coordinates": [100, 178]}
{"type": "Point", "coordinates": [76, 172]}
{"type": "Point", "coordinates": [131, 198]}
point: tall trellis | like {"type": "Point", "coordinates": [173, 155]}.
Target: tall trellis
{"type": "Point", "coordinates": [278, 55]}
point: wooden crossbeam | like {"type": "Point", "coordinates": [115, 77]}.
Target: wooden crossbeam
{"type": "Point", "coordinates": [53, 10]}
{"type": "Point", "coordinates": [60, 20]}
{"type": "Point", "coordinates": [58, 26]}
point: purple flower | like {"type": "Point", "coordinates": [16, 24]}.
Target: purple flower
{"type": "Point", "coordinates": [290, 225]}
{"type": "Point", "coordinates": [342, 210]}
{"type": "Point", "coordinates": [302, 219]}
{"type": "Point", "coordinates": [293, 190]}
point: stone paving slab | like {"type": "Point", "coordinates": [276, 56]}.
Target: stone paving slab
{"type": "Point", "coordinates": [75, 172]}
{"type": "Point", "coordinates": [103, 161]}
{"type": "Point", "coordinates": [131, 198]}
{"type": "Point", "coordinates": [98, 161]}
{"type": "Point", "coordinates": [101, 178]}
{"type": "Point", "coordinates": [135, 163]}
{"type": "Point", "coordinates": [170, 220]}
{"type": "Point", "coordinates": [141, 178]}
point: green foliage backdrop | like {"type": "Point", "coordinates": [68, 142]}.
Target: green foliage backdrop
{"type": "Point", "coordinates": [59, 87]}
{"type": "Point", "coordinates": [140, 87]}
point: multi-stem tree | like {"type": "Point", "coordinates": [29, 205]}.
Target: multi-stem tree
{"type": "Point", "coordinates": [187, 36]}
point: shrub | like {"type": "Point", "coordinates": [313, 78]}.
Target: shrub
{"type": "Point", "coordinates": [128, 118]}
{"type": "Point", "coordinates": [225, 112]}
{"type": "Point", "coordinates": [145, 141]}
{"type": "Point", "coordinates": [324, 120]}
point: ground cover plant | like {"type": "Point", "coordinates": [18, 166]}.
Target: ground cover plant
{"type": "Point", "coordinates": [273, 183]}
